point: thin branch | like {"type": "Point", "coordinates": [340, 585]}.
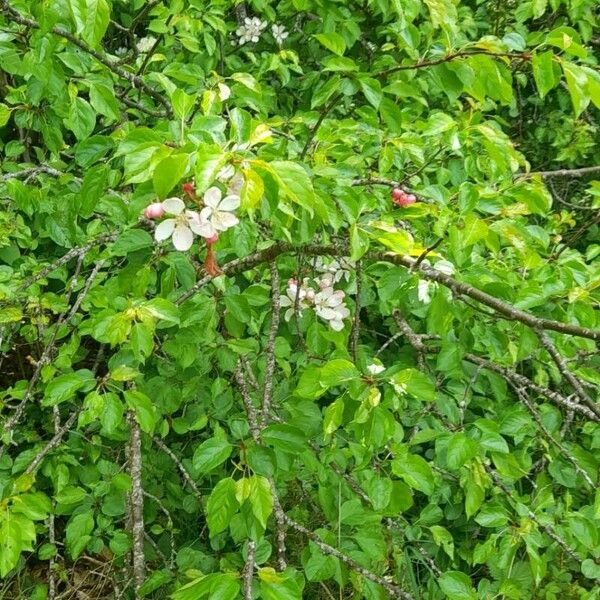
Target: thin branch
{"type": "Point", "coordinates": [581, 172]}
{"type": "Point", "coordinates": [453, 56]}
{"type": "Point", "coordinates": [249, 569]}
{"type": "Point", "coordinates": [313, 132]}
{"type": "Point", "coordinates": [355, 333]}
{"type": "Point", "coordinates": [137, 503]}
{"type": "Point", "coordinates": [270, 364]}
{"type": "Point", "coordinates": [53, 443]}
{"type": "Point", "coordinates": [565, 372]}
{"type": "Point", "coordinates": [184, 472]}
{"type": "Point", "coordinates": [551, 395]}
{"type": "Point", "coordinates": [391, 588]}
{"type": "Point", "coordinates": [523, 397]}
{"type": "Point", "coordinates": [458, 287]}
{"type": "Point", "coordinates": [25, 173]}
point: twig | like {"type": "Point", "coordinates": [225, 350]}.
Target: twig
{"type": "Point", "coordinates": [249, 569]}
{"type": "Point", "coordinates": [137, 503]}
{"type": "Point", "coordinates": [53, 443]}
{"type": "Point", "coordinates": [171, 562]}
{"type": "Point", "coordinates": [391, 588]}
{"type": "Point", "coordinates": [184, 472]}
{"type": "Point", "coordinates": [311, 135]}
{"type": "Point", "coordinates": [521, 380]}
{"type": "Point", "coordinates": [461, 54]}
{"type": "Point", "coordinates": [270, 363]}
{"type": "Point", "coordinates": [25, 173]}
{"type": "Point", "coordinates": [581, 172]}
{"type": "Point", "coordinates": [565, 372]}
{"type": "Point", "coordinates": [546, 528]}
{"type": "Point", "coordinates": [523, 397]}
{"type": "Point", "coordinates": [355, 333]}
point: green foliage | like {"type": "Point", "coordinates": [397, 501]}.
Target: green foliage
{"type": "Point", "coordinates": [299, 299]}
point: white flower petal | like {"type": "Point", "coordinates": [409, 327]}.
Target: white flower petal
{"type": "Point", "coordinates": [183, 238]}
{"type": "Point", "coordinates": [164, 230]}
{"type": "Point", "coordinates": [326, 313]}
{"type": "Point", "coordinates": [336, 325]}
{"type": "Point", "coordinates": [174, 206]}
{"type": "Point", "coordinates": [229, 203]}
{"type": "Point", "coordinates": [212, 197]}
{"type": "Point", "coordinates": [224, 220]}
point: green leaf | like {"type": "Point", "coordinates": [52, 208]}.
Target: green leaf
{"type": "Point", "coordinates": [544, 72]}
{"type": "Point", "coordinates": [131, 241]}
{"type": "Point", "coordinates": [332, 41]}
{"type": "Point", "coordinates": [338, 371]}
{"type": "Point", "coordinates": [371, 88]}
{"type": "Point", "coordinates": [145, 411]}
{"type": "Point", "coordinates": [359, 242]}
{"type": "Point", "coordinates": [161, 308]}
{"type": "Point", "coordinates": [415, 471]}
{"type": "Point", "coordinates": [294, 183]}
{"type": "Point", "coordinates": [339, 63]}
{"type": "Point", "coordinates": [78, 533]}
{"type": "Point", "coordinates": [460, 449]}
{"type": "Point", "coordinates": [261, 498]}
{"type": "Point", "coordinates": [252, 190]}
{"type": "Point", "coordinates": [5, 113]}
{"type": "Point", "coordinates": [333, 416]}
{"type": "Point", "coordinates": [285, 437]}
{"type": "Point", "coordinates": [210, 159]}
{"type": "Point", "coordinates": [168, 173]}
{"type": "Point", "coordinates": [457, 586]}
{"type": "Point", "coordinates": [91, 18]}
{"type": "Point", "coordinates": [577, 83]}
{"type": "Point", "coordinates": [16, 535]}
{"type": "Point", "coordinates": [64, 387]}
{"type": "Point", "coordinates": [82, 119]}
{"type": "Point", "coordinates": [210, 454]}
{"type": "Point", "coordinates": [221, 506]}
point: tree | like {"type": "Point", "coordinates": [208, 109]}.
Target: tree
{"type": "Point", "coordinates": [299, 299]}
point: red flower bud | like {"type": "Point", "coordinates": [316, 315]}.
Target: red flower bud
{"type": "Point", "coordinates": [189, 189]}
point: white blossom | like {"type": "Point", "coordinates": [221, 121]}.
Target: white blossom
{"type": "Point", "coordinates": [251, 30]}
{"type": "Point", "coordinates": [375, 369]}
{"type": "Point", "coordinates": [338, 269]}
{"type": "Point", "coordinates": [305, 295]}
{"type": "Point", "coordinates": [217, 213]}
{"type": "Point", "coordinates": [181, 228]}
{"type": "Point", "coordinates": [279, 33]}
{"type": "Point", "coordinates": [329, 305]}
{"type": "Point", "coordinates": [145, 44]}
{"type": "Point", "coordinates": [423, 291]}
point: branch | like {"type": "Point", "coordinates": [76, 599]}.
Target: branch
{"type": "Point", "coordinates": [248, 571]}
{"type": "Point", "coordinates": [270, 366]}
{"type": "Point", "coordinates": [137, 503]}
{"type": "Point", "coordinates": [23, 174]}
{"type": "Point", "coordinates": [581, 172]}
{"type": "Point", "coordinates": [520, 380]}
{"type": "Point", "coordinates": [311, 135]}
{"type": "Point", "coordinates": [184, 472]}
{"type": "Point", "coordinates": [564, 370]}
{"type": "Point", "coordinates": [461, 54]}
{"type": "Point", "coordinates": [355, 333]}
{"type": "Point", "coordinates": [458, 287]}
{"type": "Point", "coordinates": [391, 588]}
{"type": "Point", "coordinates": [136, 81]}
{"type": "Point", "coordinates": [53, 443]}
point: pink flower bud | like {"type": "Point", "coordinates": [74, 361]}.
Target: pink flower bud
{"type": "Point", "coordinates": [310, 294]}
{"type": "Point", "coordinates": [154, 210]}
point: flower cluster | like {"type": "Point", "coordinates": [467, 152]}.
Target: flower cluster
{"type": "Point", "coordinates": [182, 224]}
{"type": "Point", "coordinates": [252, 29]}
{"type": "Point", "coordinates": [327, 302]}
